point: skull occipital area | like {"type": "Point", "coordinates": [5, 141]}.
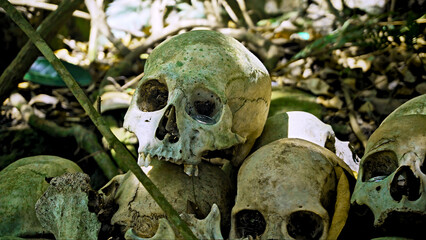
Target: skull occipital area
{"type": "Point", "coordinates": [204, 96]}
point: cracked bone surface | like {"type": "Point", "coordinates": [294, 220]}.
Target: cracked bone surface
{"type": "Point", "coordinates": [164, 231]}
{"type": "Point", "coordinates": [304, 125]}
{"type": "Point", "coordinates": [391, 184]}
{"type": "Point", "coordinates": [22, 183]}
{"type": "Point", "coordinates": [286, 190]}
{"type": "Point", "coordinates": [208, 228]}
{"type": "Point", "coordinates": [63, 209]}
{"type": "Point", "coordinates": [191, 195]}
{"type": "Point", "coordinates": [198, 90]}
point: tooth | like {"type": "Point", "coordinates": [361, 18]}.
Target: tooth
{"type": "Point", "coordinates": [196, 171]}
{"type": "Point", "coordinates": [190, 169]}
{"type": "Point", "coordinates": [218, 161]}
{"type": "Point", "coordinates": [148, 160]}
{"type": "Point", "coordinates": [141, 159]}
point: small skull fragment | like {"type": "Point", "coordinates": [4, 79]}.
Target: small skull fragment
{"type": "Point", "coordinates": [22, 183]}
{"type": "Point", "coordinates": [64, 208]}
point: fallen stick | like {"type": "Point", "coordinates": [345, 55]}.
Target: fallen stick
{"type": "Point", "coordinates": [122, 152]}
{"type": "Point", "coordinates": [85, 138]}
{"type": "Point", "coordinates": [352, 118]}
{"type": "Point", "coordinates": [16, 70]}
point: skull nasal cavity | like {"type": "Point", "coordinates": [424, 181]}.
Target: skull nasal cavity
{"type": "Point", "coordinates": [167, 129]}
{"type": "Point", "coordinates": [152, 96]}
{"type": "Point", "coordinates": [305, 225]}
{"type": "Point", "coordinates": [405, 183]}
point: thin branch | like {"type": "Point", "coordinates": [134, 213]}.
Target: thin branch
{"type": "Point", "coordinates": [14, 73]}
{"type": "Point", "coordinates": [246, 16]}
{"type": "Point", "coordinates": [98, 23]}
{"type": "Point", "coordinates": [85, 138]}
{"type": "Point", "coordinates": [391, 10]}
{"type": "Point", "coordinates": [48, 6]}
{"type": "Point", "coordinates": [229, 10]}
{"type": "Point", "coordinates": [121, 150]}
{"type": "Point", "coordinates": [133, 81]}
{"type": "Point", "coordinates": [352, 118]}
{"type": "Point", "coordinates": [157, 16]}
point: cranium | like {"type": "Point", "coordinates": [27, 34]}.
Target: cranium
{"type": "Point", "coordinates": [203, 96]}
{"type": "Point", "coordinates": [191, 195]}
{"type": "Point", "coordinates": [286, 190]}
{"type": "Point", "coordinates": [392, 180]}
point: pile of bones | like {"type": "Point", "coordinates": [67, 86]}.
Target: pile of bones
{"type": "Point", "coordinates": [200, 115]}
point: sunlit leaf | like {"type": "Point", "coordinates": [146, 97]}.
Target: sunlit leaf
{"type": "Point", "coordinates": [42, 72]}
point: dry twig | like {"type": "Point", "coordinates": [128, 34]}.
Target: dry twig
{"type": "Point", "coordinates": [14, 73]}
{"type": "Point", "coordinates": [352, 118]}
{"type": "Point", "coordinates": [127, 158]}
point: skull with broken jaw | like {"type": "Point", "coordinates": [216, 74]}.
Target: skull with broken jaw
{"type": "Point", "coordinates": [204, 96]}
{"type": "Point", "coordinates": [392, 178]}
{"type": "Point", "coordinates": [189, 195]}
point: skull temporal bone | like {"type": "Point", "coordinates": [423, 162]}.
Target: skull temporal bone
{"type": "Point", "coordinates": [286, 190]}
{"type": "Point", "coordinates": [203, 96]}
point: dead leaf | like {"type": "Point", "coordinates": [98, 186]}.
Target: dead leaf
{"type": "Point", "coordinates": [316, 85]}
{"type": "Point", "coordinates": [334, 102]}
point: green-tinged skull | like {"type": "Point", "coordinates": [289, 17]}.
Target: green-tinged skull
{"type": "Point", "coordinates": [22, 183]}
{"type": "Point", "coordinates": [392, 177]}
{"type": "Point", "coordinates": [204, 96]}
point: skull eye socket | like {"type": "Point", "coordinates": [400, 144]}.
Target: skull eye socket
{"type": "Point", "coordinates": [250, 223]}
{"type": "Point", "coordinates": [204, 106]}
{"type": "Point", "coordinates": [305, 225]}
{"type": "Point", "coordinates": [152, 96]}
{"type": "Point", "coordinates": [379, 165]}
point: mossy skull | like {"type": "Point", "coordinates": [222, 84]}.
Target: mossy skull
{"type": "Point", "coordinates": [203, 96]}
{"type": "Point", "coordinates": [392, 177]}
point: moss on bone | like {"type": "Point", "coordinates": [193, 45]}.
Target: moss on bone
{"type": "Point", "coordinates": [22, 183]}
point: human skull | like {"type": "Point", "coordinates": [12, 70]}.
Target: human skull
{"type": "Point", "coordinates": [203, 96]}
{"type": "Point", "coordinates": [392, 181]}
{"type": "Point", "coordinates": [286, 190]}
{"type": "Point", "coordinates": [191, 195]}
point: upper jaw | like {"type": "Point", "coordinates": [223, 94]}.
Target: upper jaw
{"type": "Point", "coordinates": [218, 157]}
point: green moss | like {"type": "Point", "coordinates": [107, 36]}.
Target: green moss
{"type": "Point", "coordinates": [288, 99]}
{"type": "Point", "coordinates": [22, 183]}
